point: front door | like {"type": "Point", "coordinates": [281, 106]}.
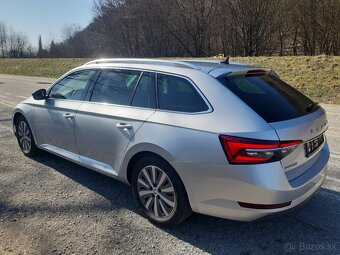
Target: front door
{"type": "Point", "coordinates": [53, 118]}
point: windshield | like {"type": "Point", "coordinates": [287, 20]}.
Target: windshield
{"type": "Point", "coordinates": [271, 98]}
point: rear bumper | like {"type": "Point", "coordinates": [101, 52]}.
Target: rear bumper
{"type": "Point", "coordinates": [216, 189]}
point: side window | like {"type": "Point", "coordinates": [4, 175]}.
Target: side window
{"type": "Point", "coordinates": [72, 86]}
{"type": "Point", "coordinates": [115, 87]}
{"type": "Point", "coordinates": [145, 95]}
{"type": "Point", "coordinates": [178, 94]}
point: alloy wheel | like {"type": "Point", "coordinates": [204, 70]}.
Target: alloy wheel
{"type": "Point", "coordinates": [156, 192]}
{"type": "Point", "coordinates": [24, 136]}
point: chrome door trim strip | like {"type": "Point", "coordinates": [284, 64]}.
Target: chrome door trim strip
{"type": "Point", "coordinates": [81, 160]}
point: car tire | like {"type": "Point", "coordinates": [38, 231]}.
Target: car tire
{"type": "Point", "coordinates": [160, 192]}
{"type": "Point", "coordinates": [25, 137]}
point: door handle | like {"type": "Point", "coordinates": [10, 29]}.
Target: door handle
{"type": "Point", "coordinates": [124, 126]}
{"type": "Point", "coordinates": [68, 115]}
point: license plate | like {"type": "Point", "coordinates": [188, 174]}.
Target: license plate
{"type": "Point", "coordinates": [312, 145]}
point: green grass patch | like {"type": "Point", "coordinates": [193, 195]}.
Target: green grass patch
{"type": "Point", "coordinates": [45, 67]}
{"type": "Point", "coordinates": [318, 77]}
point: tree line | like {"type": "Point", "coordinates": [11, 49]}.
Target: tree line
{"type": "Point", "coordinates": [14, 44]}
{"type": "Point", "coordinates": [199, 28]}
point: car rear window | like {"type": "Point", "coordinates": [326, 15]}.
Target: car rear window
{"type": "Point", "coordinates": [271, 98]}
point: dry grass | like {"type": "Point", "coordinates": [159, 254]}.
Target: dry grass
{"type": "Point", "coordinates": [317, 76]}
{"type": "Point", "coordinates": [46, 67]}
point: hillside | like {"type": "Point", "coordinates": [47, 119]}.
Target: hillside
{"type": "Point", "coordinates": [316, 76]}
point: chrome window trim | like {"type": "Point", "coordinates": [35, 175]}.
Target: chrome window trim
{"type": "Point", "coordinates": [209, 110]}
{"type": "Point", "coordinates": [119, 105]}
{"type": "Point", "coordinates": [63, 100]}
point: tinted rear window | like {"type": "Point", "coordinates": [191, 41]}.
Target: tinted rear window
{"type": "Point", "coordinates": [115, 87]}
{"type": "Point", "coordinates": [270, 97]}
{"type": "Point", "coordinates": [178, 94]}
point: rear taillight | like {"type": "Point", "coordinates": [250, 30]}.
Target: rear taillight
{"type": "Point", "coordinates": [241, 150]}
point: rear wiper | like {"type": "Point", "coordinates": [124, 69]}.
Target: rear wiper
{"type": "Point", "coordinates": [311, 107]}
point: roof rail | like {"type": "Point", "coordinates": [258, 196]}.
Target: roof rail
{"type": "Point", "coordinates": [143, 61]}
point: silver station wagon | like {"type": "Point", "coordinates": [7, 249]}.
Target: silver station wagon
{"type": "Point", "coordinates": [211, 137]}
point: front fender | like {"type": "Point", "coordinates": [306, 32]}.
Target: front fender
{"type": "Point", "coordinates": [26, 111]}
{"type": "Point", "coordinates": [17, 110]}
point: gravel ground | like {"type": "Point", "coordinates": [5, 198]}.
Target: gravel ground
{"type": "Point", "coordinates": [51, 206]}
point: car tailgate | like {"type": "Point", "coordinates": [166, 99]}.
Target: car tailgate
{"type": "Point", "coordinates": [307, 129]}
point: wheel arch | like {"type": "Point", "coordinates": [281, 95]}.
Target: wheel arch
{"type": "Point", "coordinates": [143, 150]}
{"type": "Point", "coordinates": [17, 113]}
{"type": "Point", "coordinates": [138, 151]}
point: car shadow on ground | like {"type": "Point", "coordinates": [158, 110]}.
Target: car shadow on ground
{"type": "Point", "coordinates": [312, 228]}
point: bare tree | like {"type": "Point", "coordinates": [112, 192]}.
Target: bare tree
{"type": "Point", "coordinates": [190, 22]}
{"type": "Point", "coordinates": [40, 52]}
{"type": "Point", "coordinates": [69, 30]}
{"type": "Point", "coordinates": [18, 43]}
{"type": "Point", "coordinates": [328, 24]}
{"type": "Point", "coordinates": [154, 28]}
{"type": "Point", "coordinates": [3, 39]}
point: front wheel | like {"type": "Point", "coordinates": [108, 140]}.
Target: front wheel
{"type": "Point", "coordinates": [25, 137]}
{"type": "Point", "coordinates": [160, 192]}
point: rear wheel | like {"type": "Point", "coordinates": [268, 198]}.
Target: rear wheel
{"type": "Point", "coordinates": [160, 192]}
{"type": "Point", "coordinates": [25, 137]}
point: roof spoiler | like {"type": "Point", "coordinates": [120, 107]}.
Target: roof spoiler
{"type": "Point", "coordinates": [253, 72]}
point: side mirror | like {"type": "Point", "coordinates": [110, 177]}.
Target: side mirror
{"type": "Point", "coordinates": [40, 94]}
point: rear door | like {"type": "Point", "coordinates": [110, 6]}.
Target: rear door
{"type": "Point", "coordinates": [292, 115]}
{"type": "Point", "coordinates": [118, 104]}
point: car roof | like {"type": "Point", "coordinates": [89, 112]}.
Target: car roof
{"type": "Point", "coordinates": [213, 67]}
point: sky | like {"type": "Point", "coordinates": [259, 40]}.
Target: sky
{"type": "Point", "coordinates": [44, 17]}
